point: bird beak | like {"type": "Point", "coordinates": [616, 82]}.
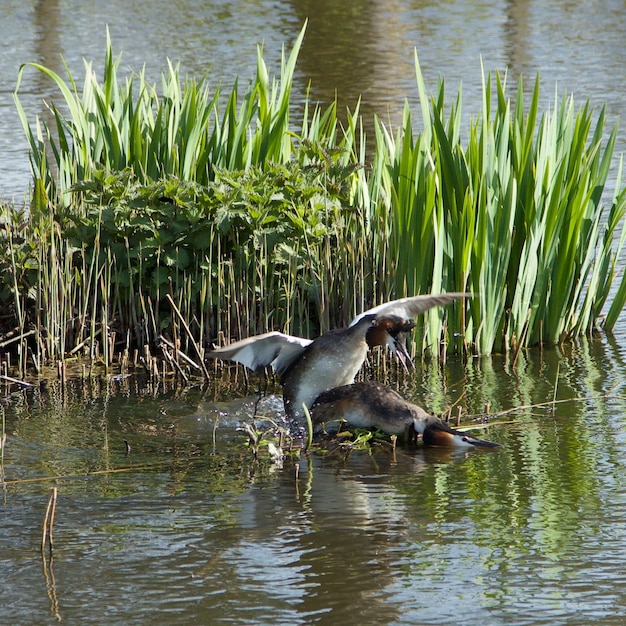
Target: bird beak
{"type": "Point", "coordinates": [418, 426]}
{"type": "Point", "coordinates": [398, 347]}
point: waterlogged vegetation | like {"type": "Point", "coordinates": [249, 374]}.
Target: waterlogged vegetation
{"type": "Point", "coordinates": [179, 215]}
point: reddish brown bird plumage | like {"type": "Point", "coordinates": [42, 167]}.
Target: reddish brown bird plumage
{"type": "Point", "coordinates": [310, 367]}
{"type": "Point", "coordinates": [373, 405]}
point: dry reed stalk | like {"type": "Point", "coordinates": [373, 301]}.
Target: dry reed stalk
{"type": "Point", "coordinates": [205, 371]}
{"type": "Point", "coordinates": [48, 522]}
{"type": "Point", "coordinates": [176, 367]}
{"type": "Point", "coordinates": [18, 337]}
{"type": "Point", "coordinates": [9, 379]}
{"type": "Point", "coordinates": [180, 353]}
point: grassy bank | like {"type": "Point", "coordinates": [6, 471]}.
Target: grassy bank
{"type": "Point", "coordinates": [184, 215]}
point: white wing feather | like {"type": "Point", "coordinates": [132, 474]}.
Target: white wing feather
{"type": "Point", "coordinates": [408, 308]}
{"type": "Point", "coordinates": [274, 348]}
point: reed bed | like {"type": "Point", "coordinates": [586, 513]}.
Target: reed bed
{"type": "Point", "coordinates": [516, 216]}
{"type": "Point", "coordinates": [173, 218]}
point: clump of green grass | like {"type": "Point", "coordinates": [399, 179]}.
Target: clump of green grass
{"type": "Point", "coordinates": [237, 231]}
{"type": "Point", "coordinates": [144, 198]}
{"type": "Point", "coordinates": [180, 131]}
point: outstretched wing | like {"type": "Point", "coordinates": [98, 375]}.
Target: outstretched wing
{"type": "Point", "coordinates": [408, 308]}
{"type": "Point", "coordinates": [274, 348]}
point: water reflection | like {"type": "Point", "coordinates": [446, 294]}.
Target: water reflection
{"type": "Point", "coordinates": [48, 46]}
{"type": "Point", "coordinates": [516, 35]}
{"type": "Point", "coordinates": [191, 526]}
{"type": "Point", "coordinates": [350, 51]}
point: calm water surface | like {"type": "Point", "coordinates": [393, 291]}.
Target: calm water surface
{"type": "Point", "coordinates": [187, 528]}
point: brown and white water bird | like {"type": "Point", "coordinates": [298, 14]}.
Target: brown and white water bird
{"type": "Point", "coordinates": [309, 367]}
{"type": "Point", "coordinates": [373, 405]}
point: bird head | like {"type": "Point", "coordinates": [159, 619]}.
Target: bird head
{"type": "Point", "coordinates": [391, 331]}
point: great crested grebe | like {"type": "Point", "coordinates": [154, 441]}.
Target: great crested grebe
{"type": "Point", "coordinates": [373, 405]}
{"type": "Point", "coordinates": [308, 367]}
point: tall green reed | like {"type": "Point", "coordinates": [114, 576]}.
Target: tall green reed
{"type": "Point", "coordinates": [179, 132]}
{"type": "Point", "coordinates": [516, 216]}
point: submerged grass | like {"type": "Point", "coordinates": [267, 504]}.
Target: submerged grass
{"type": "Point", "coordinates": [151, 206]}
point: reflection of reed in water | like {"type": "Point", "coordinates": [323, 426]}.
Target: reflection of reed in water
{"type": "Point", "coordinates": [46, 557]}
{"type": "Point", "coordinates": [51, 587]}
{"type": "Point", "coordinates": [3, 440]}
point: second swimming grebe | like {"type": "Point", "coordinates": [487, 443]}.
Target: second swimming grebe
{"type": "Point", "coordinates": [372, 405]}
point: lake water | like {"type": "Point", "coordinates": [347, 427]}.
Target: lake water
{"type": "Point", "coordinates": [187, 527]}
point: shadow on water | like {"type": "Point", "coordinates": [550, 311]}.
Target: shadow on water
{"type": "Point", "coordinates": [190, 526]}
{"type": "Point", "coordinates": [48, 42]}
